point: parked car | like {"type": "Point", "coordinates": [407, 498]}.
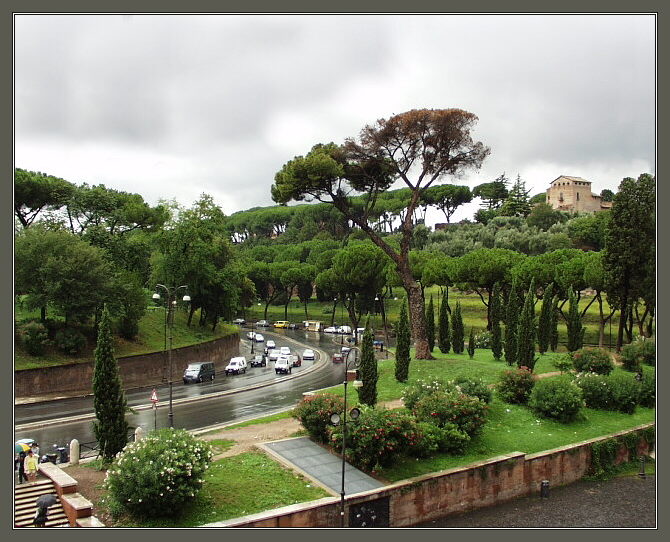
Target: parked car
{"type": "Point", "coordinates": [295, 360]}
{"type": "Point", "coordinates": [259, 338]}
{"type": "Point", "coordinates": [239, 321]}
{"type": "Point", "coordinates": [258, 361]}
{"type": "Point", "coordinates": [270, 343]}
{"type": "Point", "coordinates": [236, 366]}
{"type": "Point", "coordinates": [262, 323]}
{"type": "Point", "coordinates": [346, 330]}
{"type": "Point", "coordinates": [273, 355]}
{"type": "Point", "coordinates": [281, 323]}
{"type": "Point", "coordinates": [308, 354]}
{"type": "Point", "coordinates": [285, 350]}
{"type": "Point", "coordinates": [199, 372]}
{"type": "Point", "coordinates": [283, 365]}
{"type": "Point", "coordinates": [338, 357]}
{"type": "Point", "coordinates": [330, 329]}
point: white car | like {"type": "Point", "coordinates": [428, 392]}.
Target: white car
{"type": "Point", "coordinates": [285, 351]}
{"type": "Point", "coordinates": [345, 349]}
{"type": "Point", "coordinates": [283, 365]}
{"type": "Point", "coordinates": [236, 366]}
{"type": "Point", "coordinates": [308, 354]}
{"type": "Point", "coordinates": [251, 335]}
{"type": "Point", "coordinates": [259, 338]}
{"type": "Point", "coordinates": [345, 330]}
{"type": "Point", "coordinates": [330, 329]}
{"type": "Point", "coordinates": [270, 344]}
{"type": "Point", "coordinates": [273, 355]}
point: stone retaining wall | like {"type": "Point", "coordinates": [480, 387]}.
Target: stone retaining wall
{"type": "Point", "coordinates": [136, 371]}
{"type": "Point", "coordinates": [435, 495]}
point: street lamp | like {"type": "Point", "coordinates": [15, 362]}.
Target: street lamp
{"type": "Point", "coordinates": [336, 419]}
{"type": "Point", "coordinates": [253, 336]}
{"type": "Point", "coordinates": [170, 305]}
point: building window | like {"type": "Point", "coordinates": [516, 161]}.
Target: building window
{"type": "Point", "coordinates": [560, 197]}
{"type": "Point", "coordinates": [577, 196]}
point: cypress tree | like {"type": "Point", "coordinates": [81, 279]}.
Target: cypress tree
{"type": "Point", "coordinates": [544, 323]}
{"type": "Point", "coordinates": [574, 323]}
{"type": "Point", "coordinates": [402, 346]}
{"type": "Point", "coordinates": [430, 324]}
{"type": "Point", "coordinates": [511, 324]}
{"type": "Point", "coordinates": [496, 332]}
{"type": "Point", "coordinates": [367, 369]}
{"type": "Point", "coordinates": [110, 427]}
{"type": "Point", "coordinates": [526, 331]}
{"type": "Point", "coordinates": [553, 327]}
{"type": "Point", "coordinates": [443, 334]}
{"type": "Point", "coordinates": [471, 343]}
{"type": "Point", "coordinates": [457, 330]}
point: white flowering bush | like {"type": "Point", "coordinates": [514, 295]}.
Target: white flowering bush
{"type": "Point", "coordinates": [159, 473]}
{"type": "Point", "coordinates": [416, 390]}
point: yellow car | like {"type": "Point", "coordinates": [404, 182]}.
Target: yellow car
{"type": "Point", "coordinates": [281, 323]}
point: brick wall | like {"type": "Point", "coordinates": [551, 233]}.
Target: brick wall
{"type": "Point", "coordinates": [136, 371]}
{"type": "Point", "coordinates": [451, 491]}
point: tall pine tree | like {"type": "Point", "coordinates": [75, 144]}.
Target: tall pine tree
{"type": "Point", "coordinates": [402, 346]}
{"type": "Point", "coordinates": [526, 331]}
{"type": "Point", "coordinates": [496, 316]}
{"type": "Point", "coordinates": [574, 323]}
{"type": "Point", "coordinates": [514, 305]}
{"type": "Point", "coordinates": [544, 322]}
{"type": "Point", "coordinates": [110, 427]}
{"type": "Point", "coordinates": [471, 343]}
{"type": "Point", "coordinates": [443, 332]}
{"type": "Point", "coordinates": [367, 369]}
{"type": "Point", "coordinates": [457, 330]}
{"type": "Point", "coordinates": [430, 324]}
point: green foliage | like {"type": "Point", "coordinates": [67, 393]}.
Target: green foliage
{"type": "Point", "coordinates": [418, 389]}
{"type": "Point", "coordinates": [160, 473]}
{"type": "Point", "coordinates": [457, 330]}
{"type": "Point", "coordinates": [553, 325]}
{"type": "Point", "coordinates": [471, 343]}
{"type": "Point", "coordinates": [496, 315]}
{"type": "Point", "coordinates": [574, 323]}
{"type": "Point", "coordinates": [432, 439]}
{"type": "Point", "coordinates": [443, 332]}
{"type": "Point", "coordinates": [625, 392]}
{"type": "Point", "coordinates": [430, 324]}
{"type": "Point", "coordinates": [314, 412]}
{"type": "Point", "coordinates": [34, 337]}
{"type": "Point", "coordinates": [483, 339]}
{"type": "Point", "coordinates": [563, 363]}
{"type": "Point", "coordinates": [619, 392]}
{"type": "Point", "coordinates": [647, 396]}
{"type": "Point", "coordinates": [515, 385]}
{"type": "Point", "coordinates": [526, 332]}
{"type": "Point", "coordinates": [605, 452]}
{"type": "Point", "coordinates": [466, 412]}
{"type": "Point", "coordinates": [543, 216]}
{"type": "Point", "coordinates": [593, 360]}
{"type": "Point", "coordinates": [35, 192]}
{"type": "Point", "coordinates": [402, 356]}
{"type": "Point", "coordinates": [378, 438]}
{"type": "Point", "coordinates": [110, 427]}
{"type": "Point", "coordinates": [70, 341]}
{"type": "Point", "coordinates": [556, 398]}
{"type": "Point", "coordinates": [367, 368]}
{"type": "Point", "coordinates": [544, 322]}
{"type": "Point", "coordinates": [595, 390]}
{"type": "Point", "coordinates": [513, 309]}
{"type": "Point", "coordinates": [640, 351]}
{"type": "Point", "coordinates": [475, 387]}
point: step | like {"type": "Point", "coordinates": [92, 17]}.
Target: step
{"type": "Point", "coordinates": [54, 517]}
{"type": "Point", "coordinates": [90, 521]}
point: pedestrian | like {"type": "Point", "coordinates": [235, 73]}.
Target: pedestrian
{"type": "Point", "coordinates": [36, 449]}
{"type": "Point", "coordinates": [19, 462]}
{"type": "Point", "coordinates": [30, 466]}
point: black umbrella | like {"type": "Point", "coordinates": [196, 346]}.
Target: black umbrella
{"type": "Point", "coordinates": [45, 501]}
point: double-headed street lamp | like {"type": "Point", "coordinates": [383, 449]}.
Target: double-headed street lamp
{"type": "Point", "coordinates": [170, 305]}
{"type": "Point", "coordinates": [337, 419]}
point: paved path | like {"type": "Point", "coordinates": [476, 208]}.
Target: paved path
{"type": "Point", "coordinates": [322, 466]}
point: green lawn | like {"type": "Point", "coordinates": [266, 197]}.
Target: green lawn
{"type": "Point", "coordinates": [237, 486]}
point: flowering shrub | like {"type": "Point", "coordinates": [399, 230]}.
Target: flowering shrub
{"type": "Point", "coordinates": [314, 412]}
{"type": "Point", "coordinates": [515, 385]}
{"type": "Point", "coordinates": [639, 351]}
{"type": "Point", "coordinates": [416, 390]}
{"type": "Point", "coordinates": [467, 413]}
{"type": "Point", "coordinates": [483, 339]}
{"type": "Point", "coordinates": [473, 386]}
{"type": "Point", "coordinates": [378, 438]}
{"type": "Point", "coordinates": [592, 360]}
{"type": "Point", "coordinates": [625, 392]}
{"type": "Point", "coordinates": [156, 475]}
{"type": "Point", "coordinates": [595, 390]}
{"type": "Point", "coordinates": [620, 392]}
{"type": "Point", "coordinates": [647, 397]}
{"type": "Point", "coordinates": [556, 398]}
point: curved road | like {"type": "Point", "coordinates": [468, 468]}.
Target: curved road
{"type": "Point", "coordinates": [195, 406]}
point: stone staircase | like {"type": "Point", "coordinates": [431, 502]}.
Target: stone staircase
{"type": "Point", "coordinates": [25, 496]}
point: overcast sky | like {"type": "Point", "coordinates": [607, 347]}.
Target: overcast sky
{"type": "Point", "coordinates": [173, 106]}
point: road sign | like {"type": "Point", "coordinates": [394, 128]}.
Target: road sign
{"type": "Point", "coordinates": [154, 396]}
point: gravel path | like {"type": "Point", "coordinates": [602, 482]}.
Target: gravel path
{"type": "Point", "coordinates": [628, 501]}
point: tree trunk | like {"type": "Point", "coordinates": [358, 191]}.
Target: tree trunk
{"type": "Point", "coordinates": [622, 320]}
{"type": "Point", "coordinates": [417, 317]}
{"type": "Point", "coordinates": [601, 326]}
{"type": "Point", "coordinates": [43, 313]}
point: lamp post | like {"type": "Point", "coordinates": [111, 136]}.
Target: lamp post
{"type": "Point", "coordinates": [336, 419]}
{"type": "Point", "coordinates": [342, 320]}
{"type": "Point", "coordinates": [170, 304]}
{"type": "Point", "coordinates": [253, 336]}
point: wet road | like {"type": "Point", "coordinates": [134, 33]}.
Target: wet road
{"type": "Point", "coordinates": [48, 423]}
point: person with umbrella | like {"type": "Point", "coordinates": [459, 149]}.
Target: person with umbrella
{"type": "Point", "coordinates": [19, 459]}
{"type": "Point", "coordinates": [43, 503]}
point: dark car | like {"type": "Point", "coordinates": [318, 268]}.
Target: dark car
{"type": "Point", "coordinates": [199, 372]}
{"type": "Point", "coordinates": [295, 360]}
{"type": "Point", "coordinates": [338, 358]}
{"type": "Point", "coordinates": [258, 361]}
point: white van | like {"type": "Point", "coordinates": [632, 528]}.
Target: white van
{"type": "Point", "coordinates": [236, 366]}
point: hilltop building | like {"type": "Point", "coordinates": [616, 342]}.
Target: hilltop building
{"type": "Point", "coordinates": [573, 194]}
